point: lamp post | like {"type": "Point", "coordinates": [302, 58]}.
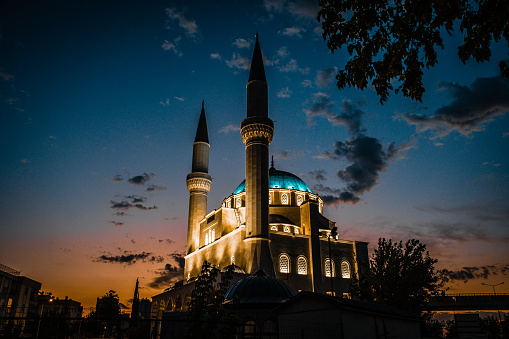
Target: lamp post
{"type": "Point", "coordinates": [333, 232]}
{"type": "Point", "coordinates": [495, 293]}
{"type": "Point", "coordinates": [40, 316]}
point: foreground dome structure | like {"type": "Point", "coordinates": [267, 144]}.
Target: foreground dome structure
{"type": "Point", "coordinates": [259, 288]}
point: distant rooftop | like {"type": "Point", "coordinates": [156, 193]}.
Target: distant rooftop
{"type": "Point", "coordinates": [9, 270]}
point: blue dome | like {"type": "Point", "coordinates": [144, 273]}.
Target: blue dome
{"type": "Point", "coordinates": [259, 288]}
{"type": "Point", "coordinates": [280, 179]}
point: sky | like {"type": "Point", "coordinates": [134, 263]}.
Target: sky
{"type": "Point", "coordinates": [100, 101]}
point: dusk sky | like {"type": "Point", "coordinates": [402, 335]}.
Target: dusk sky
{"type": "Point", "coordinates": [100, 101]}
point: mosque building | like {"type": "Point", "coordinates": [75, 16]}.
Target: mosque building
{"type": "Point", "coordinates": [272, 221]}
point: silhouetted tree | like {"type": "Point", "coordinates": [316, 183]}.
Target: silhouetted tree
{"type": "Point", "coordinates": [207, 314]}
{"type": "Point", "coordinates": [390, 42]}
{"type": "Point", "coordinates": [107, 311]}
{"type": "Point", "coordinates": [491, 326]}
{"type": "Point", "coordinates": [400, 275]}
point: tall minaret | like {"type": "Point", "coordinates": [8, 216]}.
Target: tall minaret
{"type": "Point", "coordinates": [136, 302]}
{"type": "Point", "coordinates": [257, 130]}
{"type": "Point", "coordinates": [198, 183]}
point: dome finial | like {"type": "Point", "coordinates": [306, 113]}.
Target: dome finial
{"type": "Point", "coordinates": [257, 36]}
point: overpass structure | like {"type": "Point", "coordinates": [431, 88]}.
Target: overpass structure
{"type": "Point", "coordinates": [470, 302]}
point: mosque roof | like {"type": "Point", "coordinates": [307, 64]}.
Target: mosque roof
{"type": "Point", "coordinates": [259, 288]}
{"type": "Point", "coordinates": [280, 179]}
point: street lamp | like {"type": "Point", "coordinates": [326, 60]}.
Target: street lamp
{"type": "Point", "coordinates": [40, 316]}
{"type": "Point", "coordinates": [495, 293]}
{"type": "Point", "coordinates": [333, 232]}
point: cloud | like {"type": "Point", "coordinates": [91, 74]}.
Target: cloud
{"type": "Point", "coordinates": [172, 46]}
{"type": "Point", "coordinates": [6, 76]}
{"type": "Point", "coordinates": [293, 31]}
{"type": "Point", "coordinates": [239, 62]}
{"type": "Point", "coordinates": [166, 276]}
{"type": "Point", "coordinates": [165, 102]}
{"type": "Point", "coordinates": [24, 161]}
{"type": "Point", "coordinates": [291, 66]}
{"type": "Point", "coordinates": [302, 9]}
{"type": "Point", "coordinates": [169, 241]}
{"type": "Point", "coordinates": [306, 83]}
{"type": "Point", "coordinates": [215, 56]}
{"type": "Point", "coordinates": [140, 179]}
{"type": "Point", "coordinates": [152, 188]}
{"type": "Point", "coordinates": [284, 93]}
{"type": "Point", "coordinates": [117, 178]}
{"type": "Point", "coordinates": [179, 98]}
{"type": "Point", "coordinates": [126, 258]}
{"type": "Point", "coordinates": [121, 214]}
{"type": "Point", "coordinates": [131, 201]}
{"type": "Point", "coordinates": [325, 77]}
{"type": "Point", "coordinates": [482, 211]}
{"type": "Point", "coordinates": [229, 128]}
{"type": "Point", "coordinates": [242, 43]}
{"type": "Point", "coordinates": [317, 175]}
{"type": "Point", "coordinates": [189, 26]}
{"type": "Point", "coordinates": [470, 110]}
{"type": "Point", "coordinates": [287, 154]}
{"type": "Point", "coordinates": [116, 223]}
{"type": "Point", "coordinates": [468, 273]}
{"type": "Point", "coordinates": [179, 258]}
{"type": "Point", "coordinates": [282, 52]}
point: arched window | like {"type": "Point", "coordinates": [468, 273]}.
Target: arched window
{"type": "Point", "coordinates": [273, 228]}
{"type": "Point", "coordinates": [345, 269]}
{"type": "Point", "coordinates": [328, 268]}
{"type": "Point", "coordinates": [233, 260]}
{"type": "Point", "coordinates": [238, 203]}
{"type": "Point", "coordinates": [270, 198]}
{"type": "Point", "coordinates": [302, 265]}
{"type": "Point", "coordinates": [284, 199]}
{"type": "Point", "coordinates": [300, 199]}
{"type": "Point", "coordinates": [284, 263]}
{"type": "Point", "coordinates": [207, 238]}
{"type": "Point", "coordinates": [286, 229]}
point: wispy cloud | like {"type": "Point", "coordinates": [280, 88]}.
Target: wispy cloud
{"type": "Point", "coordinates": [469, 273]}
{"type": "Point", "coordinates": [116, 223]}
{"type": "Point", "coordinates": [128, 258]}
{"type": "Point", "coordinates": [178, 18]}
{"type": "Point", "coordinates": [230, 128]}
{"type": "Point", "coordinates": [141, 179]}
{"type": "Point", "coordinates": [239, 62]}
{"type": "Point", "coordinates": [284, 93]}
{"type": "Point", "coordinates": [289, 154]}
{"type": "Point", "coordinates": [293, 31]}
{"type": "Point", "coordinates": [306, 83]}
{"type": "Point", "coordinates": [172, 46]}
{"type": "Point", "coordinates": [242, 43]}
{"type": "Point", "coordinates": [282, 52]}
{"type": "Point", "coordinates": [471, 109]}
{"type": "Point", "coordinates": [170, 273]}
{"type": "Point", "coordinates": [152, 188]}
{"type": "Point", "coordinates": [325, 77]}
{"type": "Point", "coordinates": [300, 9]}
{"type": "Point", "coordinates": [216, 56]}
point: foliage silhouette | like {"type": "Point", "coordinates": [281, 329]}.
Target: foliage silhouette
{"type": "Point", "coordinates": [391, 42]}
{"type": "Point", "coordinates": [207, 314]}
{"type": "Point", "coordinates": [400, 275]}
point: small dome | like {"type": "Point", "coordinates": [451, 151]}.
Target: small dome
{"type": "Point", "coordinates": [280, 179]}
{"type": "Point", "coordinates": [259, 288]}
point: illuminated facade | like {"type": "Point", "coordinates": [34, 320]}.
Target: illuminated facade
{"type": "Point", "coordinates": [272, 220]}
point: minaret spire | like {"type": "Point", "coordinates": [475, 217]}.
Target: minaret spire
{"type": "Point", "coordinates": [257, 71]}
{"type": "Point", "coordinates": [136, 302]}
{"type": "Point", "coordinates": [202, 133]}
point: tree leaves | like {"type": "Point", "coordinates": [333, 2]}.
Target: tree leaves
{"type": "Point", "coordinates": [390, 42]}
{"type": "Point", "coordinates": [401, 275]}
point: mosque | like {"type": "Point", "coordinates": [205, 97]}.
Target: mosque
{"type": "Point", "coordinates": [271, 222]}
